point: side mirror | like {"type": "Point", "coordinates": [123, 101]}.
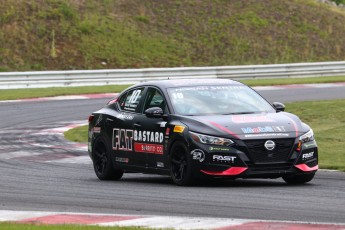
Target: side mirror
{"type": "Point", "coordinates": [154, 112]}
{"type": "Point", "coordinates": [279, 107]}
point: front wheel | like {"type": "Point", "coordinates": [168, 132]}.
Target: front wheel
{"type": "Point", "coordinates": [102, 162]}
{"type": "Point", "coordinates": [180, 165]}
{"type": "Point", "coordinates": [299, 179]}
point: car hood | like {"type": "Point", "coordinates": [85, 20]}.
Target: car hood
{"type": "Point", "coordinates": [248, 126]}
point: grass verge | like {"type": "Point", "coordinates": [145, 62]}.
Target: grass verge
{"type": "Point", "coordinates": [13, 94]}
{"type": "Point", "coordinates": [325, 117]}
{"type": "Point", "coordinates": [289, 81]}
{"type": "Point", "coordinates": [79, 134]}
{"type": "Point", "coordinates": [15, 226]}
{"type": "Point", "coordinates": [328, 122]}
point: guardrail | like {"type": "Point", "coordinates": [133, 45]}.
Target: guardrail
{"type": "Point", "coordinates": [43, 79]}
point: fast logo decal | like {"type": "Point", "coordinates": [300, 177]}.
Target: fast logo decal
{"type": "Point", "coordinates": [143, 141]}
{"type": "Point", "coordinates": [122, 139]}
{"type": "Point", "coordinates": [220, 158]}
{"type": "Point", "coordinates": [307, 156]}
{"type": "Point", "coordinates": [266, 129]}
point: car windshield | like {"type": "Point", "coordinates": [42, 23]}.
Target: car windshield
{"type": "Point", "coordinates": [226, 99]}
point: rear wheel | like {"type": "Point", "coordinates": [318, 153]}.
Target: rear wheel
{"type": "Point", "coordinates": [299, 179]}
{"type": "Point", "coordinates": [180, 165]}
{"type": "Point", "coordinates": [102, 162]}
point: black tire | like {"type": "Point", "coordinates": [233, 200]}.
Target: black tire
{"type": "Point", "coordinates": [102, 162]}
{"type": "Point", "coordinates": [180, 164]}
{"type": "Point", "coordinates": [299, 179]}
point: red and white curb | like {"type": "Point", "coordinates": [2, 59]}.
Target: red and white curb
{"type": "Point", "coordinates": [162, 222]}
{"type": "Point", "coordinates": [111, 95]}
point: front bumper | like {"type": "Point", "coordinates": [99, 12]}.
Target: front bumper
{"type": "Point", "coordinates": [237, 161]}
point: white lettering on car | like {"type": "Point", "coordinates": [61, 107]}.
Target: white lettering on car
{"type": "Point", "coordinates": [122, 139]}
{"type": "Point", "coordinates": [229, 159]}
{"type": "Point", "coordinates": [307, 156]}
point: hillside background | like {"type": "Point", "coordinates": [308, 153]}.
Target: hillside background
{"type": "Point", "coordinates": [87, 34]}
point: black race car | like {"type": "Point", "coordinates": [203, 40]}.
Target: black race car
{"type": "Point", "coordinates": [194, 129]}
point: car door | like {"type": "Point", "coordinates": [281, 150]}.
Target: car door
{"type": "Point", "coordinates": [123, 128]}
{"type": "Point", "coordinates": [149, 132]}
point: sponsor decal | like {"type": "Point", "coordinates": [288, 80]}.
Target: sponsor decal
{"type": "Point", "coordinates": [160, 164]}
{"type": "Point", "coordinates": [124, 116]}
{"type": "Point", "coordinates": [122, 139]}
{"type": "Point", "coordinates": [268, 135]}
{"type": "Point", "coordinates": [250, 119]}
{"type": "Point", "coordinates": [264, 129]}
{"type": "Point", "coordinates": [163, 124]}
{"type": "Point", "coordinates": [270, 145]}
{"type": "Point", "coordinates": [198, 155]}
{"type": "Point", "coordinates": [148, 136]}
{"type": "Point", "coordinates": [96, 129]}
{"type": "Point", "coordinates": [93, 131]}
{"type": "Point", "coordinates": [218, 149]}
{"type": "Point", "coordinates": [178, 129]}
{"type": "Point", "coordinates": [307, 156]}
{"type": "Point", "coordinates": [121, 159]}
{"type": "Point", "coordinates": [143, 141]}
{"type": "Point", "coordinates": [148, 148]}
{"type": "Point", "coordinates": [220, 158]}
{"type": "Point", "coordinates": [213, 88]}
{"type": "Point", "coordinates": [308, 145]}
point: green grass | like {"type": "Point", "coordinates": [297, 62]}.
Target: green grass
{"type": "Point", "coordinates": [79, 134]}
{"type": "Point", "coordinates": [287, 81]}
{"type": "Point", "coordinates": [328, 122]}
{"type": "Point", "coordinates": [325, 117]}
{"type": "Point", "coordinates": [70, 34]}
{"type": "Point", "coordinates": [13, 94]}
{"type": "Point", "coordinates": [15, 226]}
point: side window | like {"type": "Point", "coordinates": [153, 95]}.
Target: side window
{"type": "Point", "coordinates": [154, 99]}
{"type": "Point", "coordinates": [130, 101]}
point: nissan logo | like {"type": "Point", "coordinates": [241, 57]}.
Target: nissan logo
{"type": "Point", "coordinates": [270, 145]}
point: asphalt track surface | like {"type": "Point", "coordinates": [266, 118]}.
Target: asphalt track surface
{"type": "Point", "coordinates": [27, 183]}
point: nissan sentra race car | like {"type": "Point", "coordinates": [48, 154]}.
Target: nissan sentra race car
{"type": "Point", "coordinates": [195, 129]}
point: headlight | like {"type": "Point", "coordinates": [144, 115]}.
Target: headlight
{"type": "Point", "coordinates": [309, 136]}
{"type": "Point", "coordinates": [210, 140]}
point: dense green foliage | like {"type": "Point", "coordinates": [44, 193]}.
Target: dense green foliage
{"type": "Point", "coordinates": [87, 34]}
{"type": "Point", "coordinates": [339, 1]}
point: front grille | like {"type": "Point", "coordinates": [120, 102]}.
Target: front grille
{"type": "Point", "coordinates": [257, 152]}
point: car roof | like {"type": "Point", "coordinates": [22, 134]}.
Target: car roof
{"type": "Point", "coordinates": [189, 82]}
